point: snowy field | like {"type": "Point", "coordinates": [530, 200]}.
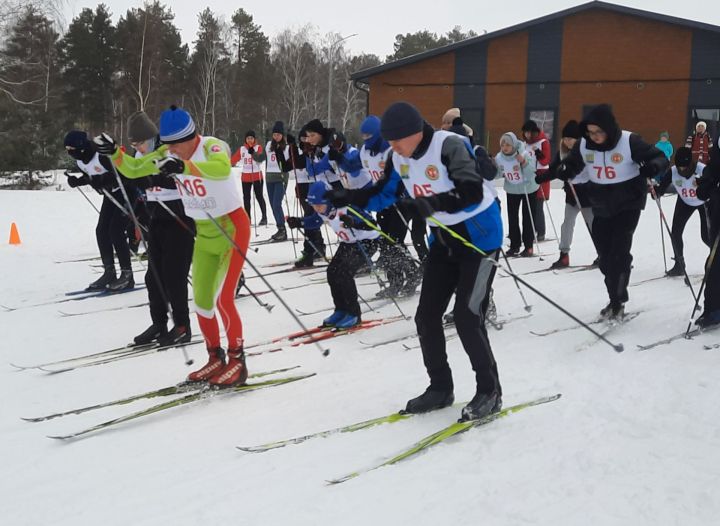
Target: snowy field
{"type": "Point", "coordinates": [634, 440]}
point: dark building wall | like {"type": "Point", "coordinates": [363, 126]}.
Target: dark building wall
{"type": "Point", "coordinates": [470, 77]}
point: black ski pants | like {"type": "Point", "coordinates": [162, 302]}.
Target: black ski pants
{"type": "Point", "coordinates": [682, 214]}
{"type": "Point", "coordinates": [348, 259]}
{"type": "Point", "coordinates": [469, 276]}
{"type": "Point", "coordinates": [613, 237]}
{"type": "Point", "coordinates": [514, 203]}
{"type": "Point", "coordinates": [110, 233]}
{"type": "Point", "coordinates": [170, 250]}
{"type": "Point", "coordinates": [312, 237]}
{"type": "Point", "coordinates": [418, 234]}
{"type": "Point", "coordinates": [257, 188]}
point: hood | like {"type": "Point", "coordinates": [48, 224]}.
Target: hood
{"type": "Point", "coordinates": [602, 117]}
{"type": "Point", "coordinates": [512, 139]}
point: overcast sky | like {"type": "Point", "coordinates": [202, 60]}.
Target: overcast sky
{"type": "Point", "coordinates": [378, 21]}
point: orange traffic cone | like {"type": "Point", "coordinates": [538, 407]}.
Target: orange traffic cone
{"type": "Point", "coordinates": [14, 236]}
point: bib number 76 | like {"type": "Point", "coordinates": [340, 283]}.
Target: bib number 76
{"type": "Point", "coordinates": [610, 172]}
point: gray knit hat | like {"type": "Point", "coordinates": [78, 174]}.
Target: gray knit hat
{"type": "Point", "coordinates": [140, 127]}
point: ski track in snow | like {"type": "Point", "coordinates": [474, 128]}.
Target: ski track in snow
{"type": "Point", "coordinates": [635, 438]}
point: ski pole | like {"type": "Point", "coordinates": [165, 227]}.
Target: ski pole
{"type": "Point", "coordinates": [123, 210]}
{"type": "Point", "coordinates": [552, 222]}
{"type": "Point", "coordinates": [379, 230]}
{"type": "Point", "coordinates": [532, 223]}
{"type": "Point", "coordinates": [263, 304]}
{"type": "Point", "coordinates": [663, 221]}
{"type": "Point", "coordinates": [708, 266]}
{"type": "Point", "coordinates": [528, 307]}
{"type": "Point", "coordinates": [325, 352]}
{"type": "Point", "coordinates": [617, 347]}
{"type": "Point", "coordinates": [188, 361]}
{"type": "Point", "coordinates": [67, 174]}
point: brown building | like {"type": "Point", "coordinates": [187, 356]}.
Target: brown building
{"type": "Point", "coordinates": [657, 72]}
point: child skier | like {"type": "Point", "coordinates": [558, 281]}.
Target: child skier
{"type": "Point", "coordinates": [251, 156]}
{"type": "Point", "coordinates": [537, 146]}
{"type": "Point", "coordinates": [515, 166]}
{"type": "Point", "coordinates": [276, 174]}
{"type": "Point", "coordinates": [358, 244]}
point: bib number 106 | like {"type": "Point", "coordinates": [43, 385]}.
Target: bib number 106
{"type": "Point", "coordinates": [194, 187]}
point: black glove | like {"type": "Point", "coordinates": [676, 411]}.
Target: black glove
{"type": "Point", "coordinates": [163, 181]}
{"type": "Point", "coordinates": [418, 208]}
{"type": "Point", "coordinates": [170, 165]}
{"type": "Point", "coordinates": [542, 178]}
{"type": "Point", "coordinates": [338, 198]}
{"type": "Point", "coordinates": [251, 150]}
{"type": "Point", "coordinates": [648, 171]}
{"type": "Point", "coordinates": [568, 168]}
{"type": "Point", "coordinates": [74, 182]}
{"type": "Point", "coordinates": [294, 222]}
{"type": "Point", "coordinates": [539, 155]}
{"type": "Point", "coordinates": [290, 139]}
{"type": "Point", "coordinates": [105, 144]}
{"type": "Point", "coordinates": [335, 155]}
{"type": "Point", "coordinates": [347, 221]}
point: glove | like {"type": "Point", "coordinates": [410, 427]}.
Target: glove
{"type": "Point", "coordinates": [339, 197]}
{"type": "Point", "coordinates": [648, 171]}
{"type": "Point", "coordinates": [294, 222]}
{"type": "Point", "coordinates": [336, 143]}
{"type": "Point", "coordinates": [105, 144]}
{"type": "Point", "coordinates": [539, 155]}
{"type": "Point", "coordinates": [74, 182]}
{"type": "Point", "coordinates": [418, 208]}
{"type": "Point", "coordinates": [163, 181]}
{"type": "Point", "coordinates": [335, 155]}
{"type": "Point", "coordinates": [568, 169]}
{"type": "Point", "coordinates": [170, 165]}
{"type": "Point", "coordinates": [346, 221]}
{"type": "Point", "coordinates": [251, 150]}
{"type": "Point", "coordinates": [290, 139]}
{"type": "Point", "coordinates": [542, 178]}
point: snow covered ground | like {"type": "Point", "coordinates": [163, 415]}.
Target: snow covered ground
{"type": "Point", "coordinates": [635, 438]}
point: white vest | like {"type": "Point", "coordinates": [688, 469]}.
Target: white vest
{"type": "Point", "coordinates": [272, 163]}
{"type": "Point", "coordinates": [200, 195]}
{"type": "Point", "coordinates": [687, 188]}
{"type": "Point", "coordinates": [94, 168]}
{"type": "Point", "coordinates": [347, 235]}
{"type": "Point", "coordinates": [374, 165]}
{"type": "Point", "coordinates": [249, 166]}
{"type": "Point", "coordinates": [530, 150]}
{"type": "Point", "coordinates": [612, 167]}
{"type": "Point", "coordinates": [327, 175]}
{"type": "Point", "coordinates": [429, 176]}
{"type": "Point", "coordinates": [347, 180]}
{"type": "Point", "coordinates": [158, 193]}
{"type": "Point", "coordinates": [511, 169]}
{"type": "Point", "coordinates": [301, 175]}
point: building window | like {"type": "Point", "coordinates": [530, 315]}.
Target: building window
{"type": "Point", "coordinates": [474, 117]}
{"type": "Point", "coordinates": [545, 119]}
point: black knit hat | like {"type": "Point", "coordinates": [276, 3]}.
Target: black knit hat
{"type": "Point", "coordinates": [315, 126]}
{"type": "Point", "coordinates": [140, 127]}
{"type": "Point", "coordinates": [278, 127]}
{"type": "Point", "coordinates": [250, 133]}
{"type": "Point", "coordinates": [571, 129]}
{"type": "Point", "coordinates": [77, 139]}
{"type": "Point", "coordinates": [530, 126]}
{"type": "Point", "coordinates": [458, 127]}
{"type": "Point", "coordinates": [683, 156]}
{"type": "Point", "coordinates": [400, 120]}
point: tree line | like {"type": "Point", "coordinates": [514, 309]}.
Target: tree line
{"type": "Point", "coordinates": [93, 74]}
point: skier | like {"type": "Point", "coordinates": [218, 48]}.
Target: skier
{"type": "Point", "coordinates": [684, 176]}
{"type": "Point", "coordinates": [112, 221]}
{"type": "Point", "coordinates": [276, 174]}
{"type": "Point", "coordinates": [709, 190]}
{"type": "Point", "coordinates": [201, 167]}
{"type": "Point", "coordinates": [518, 169]}
{"type": "Point", "coordinates": [619, 163]}
{"type": "Point", "coordinates": [251, 155]}
{"type": "Point", "coordinates": [439, 172]}
{"type": "Point", "coordinates": [570, 135]}
{"type": "Point", "coordinates": [358, 244]}
{"type": "Point", "coordinates": [170, 241]}
{"type": "Point", "coordinates": [537, 146]}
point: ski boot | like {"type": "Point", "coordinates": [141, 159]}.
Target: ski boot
{"type": "Point", "coordinates": [429, 401]}
{"type": "Point", "coordinates": [677, 270]}
{"type": "Point", "coordinates": [512, 252]}
{"type": "Point", "coordinates": [562, 262]}
{"type": "Point", "coordinates": [103, 281]}
{"type": "Point", "coordinates": [216, 362]}
{"type": "Point", "coordinates": [449, 318]}
{"type": "Point", "coordinates": [280, 235]}
{"type": "Point", "coordinates": [304, 261]}
{"type": "Point", "coordinates": [149, 335]}
{"type": "Point", "coordinates": [335, 317]}
{"type": "Point", "coordinates": [263, 221]}
{"type": "Point", "coordinates": [613, 311]}
{"type": "Point", "coordinates": [391, 291]}
{"type": "Point", "coordinates": [347, 322]}
{"type": "Point", "coordinates": [234, 373]}
{"type": "Point", "coordinates": [178, 334]}
{"type": "Point", "coordinates": [123, 282]}
{"type": "Point", "coordinates": [527, 253]}
{"type": "Point", "coordinates": [708, 319]}
{"type": "Point", "coordinates": [482, 405]}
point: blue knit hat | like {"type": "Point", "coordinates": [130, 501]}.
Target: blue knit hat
{"type": "Point", "coordinates": [176, 125]}
{"type": "Point", "coordinates": [371, 125]}
{"type": "Point", "coordinates": [401, 120]}
{"type": "Point", "coordinates": [77, 139]}
{"type": "Point", "coordinates": [316, 193]}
